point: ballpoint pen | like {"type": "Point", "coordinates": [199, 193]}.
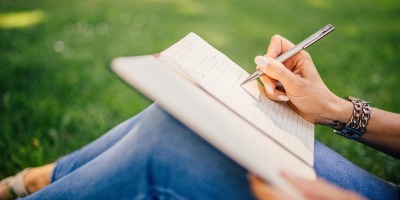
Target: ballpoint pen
{"type": "Point", "coordinates": [293, 51]}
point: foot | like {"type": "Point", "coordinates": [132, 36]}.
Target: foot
{"type": "Point", "coordinates": [34, 180]}
{"type": "Point", "coordinates": [38, 178]}
{"type": "Point", "coordinates": [4, 193]}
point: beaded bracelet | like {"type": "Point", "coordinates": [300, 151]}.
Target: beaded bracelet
{"type": "Point", "coordinates": [356, 126]}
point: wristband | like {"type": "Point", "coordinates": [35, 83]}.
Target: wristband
{"type": "Point", "coordinates": [356, 126]}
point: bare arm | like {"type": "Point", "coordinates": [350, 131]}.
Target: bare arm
{"type": "Point", "coordinates": [307, 94]}
{"type": "Point", "coordinates": [382, 131]}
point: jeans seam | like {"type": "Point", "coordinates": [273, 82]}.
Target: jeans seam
{"type": "Point", "coordinates": [160, 193]}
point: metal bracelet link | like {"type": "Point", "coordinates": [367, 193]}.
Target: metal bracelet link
{"type": "Point", "coordinates": [358, 121]}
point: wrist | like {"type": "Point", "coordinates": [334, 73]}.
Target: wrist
{"type": "Point", "coordinates": [339, 112]}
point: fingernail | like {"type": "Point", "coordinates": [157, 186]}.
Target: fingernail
{"type": "Point", "coordinates": [261, 61]}
{"type": "Point", "coordinates": [269, 88]}
{"type": "Point", "coordinates": [283, 98]}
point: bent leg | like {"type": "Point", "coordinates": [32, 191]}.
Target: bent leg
{"type": "Point", "coordinates": [159, 158]}
{"type": "Point", "coordinates": [335, 168]}
{"type": "Point", "coordinates": [76, 159]}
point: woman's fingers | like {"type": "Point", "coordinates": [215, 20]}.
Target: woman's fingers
{"type": "Point", "coordinates": [278, 46]}
{"type": "Point", "coordinates": [269, 84]}
{"type": "Point", "coordinates": [274, 70]}
{"type": "Point", "coordinates": [264, 191]}
{"type": "Point", "coordinates": [271, 91]}
{"type": "Point", "coordinates": [320, 189]}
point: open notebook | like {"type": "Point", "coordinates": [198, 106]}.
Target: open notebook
{"type": "Point", "coordinates": [200, 86]}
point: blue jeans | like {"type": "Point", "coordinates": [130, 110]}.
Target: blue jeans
{"type": "Point", "coordinates": [154, 156]}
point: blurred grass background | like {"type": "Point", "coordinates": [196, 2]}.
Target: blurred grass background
{"type": "Point", "coordinates": [57, 92]}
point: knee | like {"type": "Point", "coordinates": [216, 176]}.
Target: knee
{"type": "Point", "coordinates": [174, 156]}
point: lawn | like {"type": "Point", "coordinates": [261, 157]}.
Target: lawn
{"type": "Point", "coordinates": [57, 92]}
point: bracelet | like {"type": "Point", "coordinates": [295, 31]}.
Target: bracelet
{"type": "Point", "coordinates": [356, 126]}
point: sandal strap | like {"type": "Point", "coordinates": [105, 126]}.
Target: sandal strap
{"type": "Point", "coordinates": [16, 184]}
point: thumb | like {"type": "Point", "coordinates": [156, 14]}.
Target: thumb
{"type": "Point", "coordinates": [274, 69]}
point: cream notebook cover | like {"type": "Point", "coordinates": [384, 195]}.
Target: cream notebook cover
{"type": "Point", "coordinates": [200, 86]}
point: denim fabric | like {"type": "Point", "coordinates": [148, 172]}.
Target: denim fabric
{"type": "Point", "coordinates": [154, 156]}
{"type": "Point", "coordinates": [336, 169]}
{"type": "Point", "coordinates": [76, 159]}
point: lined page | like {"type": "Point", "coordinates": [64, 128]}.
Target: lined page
{"type": "Point", "coordinates": [221, 77]}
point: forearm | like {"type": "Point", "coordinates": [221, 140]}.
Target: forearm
{"type": "Point", "coordinates": [382, 131]}
{"type": "Point", "coordinates": [309, 96]}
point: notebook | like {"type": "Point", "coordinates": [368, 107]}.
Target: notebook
{"type": "Point", "coordinates": [200, 86]}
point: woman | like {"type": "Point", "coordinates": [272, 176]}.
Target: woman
{"type": "Point", "coordinates": [154, 156]}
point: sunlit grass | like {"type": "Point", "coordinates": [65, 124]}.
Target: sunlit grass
{"type": "Point", "coordinates": [57, 92]}
{"type": "Point", "coordinates": [21, 19]}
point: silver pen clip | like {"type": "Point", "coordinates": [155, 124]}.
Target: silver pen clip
{"type": "Point", "coordinates": [321, 33]}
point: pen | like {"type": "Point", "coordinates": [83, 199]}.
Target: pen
{"type": "Point", "coordinates": [293, 51]}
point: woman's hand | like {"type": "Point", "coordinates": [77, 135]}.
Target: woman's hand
{"type": "Point", "coordinates": [314, 190]}
{"type": "Point", "coordinates": [303, 87]}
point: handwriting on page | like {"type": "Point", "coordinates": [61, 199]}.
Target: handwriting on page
{"type": "Point", "coordinates": [221, 77]}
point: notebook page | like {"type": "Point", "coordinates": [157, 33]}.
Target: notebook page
{"type": "Point", "coordinates": [221, 78]}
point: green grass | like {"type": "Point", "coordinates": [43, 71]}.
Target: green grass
{"type": "Point", "coordinates": [52, 103]}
